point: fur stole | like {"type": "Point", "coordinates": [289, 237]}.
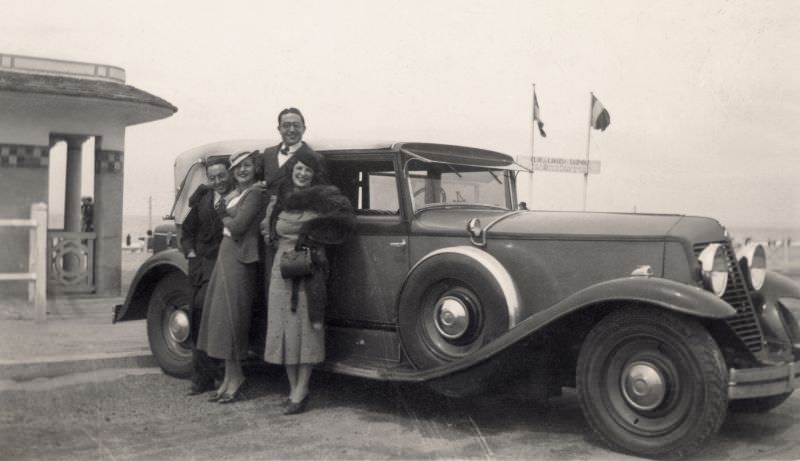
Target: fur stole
{"type": "Point", "coordinates": [336, 219]}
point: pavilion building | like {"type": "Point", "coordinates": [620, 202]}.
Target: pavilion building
{"type": "Point", "coordinates": [51, 108]}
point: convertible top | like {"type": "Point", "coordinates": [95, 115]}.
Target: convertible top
{"type": "Point", "coordinates": [443, 153]}
{"type": "Point", "coordinates": [187, 177]}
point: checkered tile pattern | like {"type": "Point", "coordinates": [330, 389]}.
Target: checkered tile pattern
{"type": "Point", "coordinates": [24, 156]}
{"type": "Point", "coordinates": [108, 161]}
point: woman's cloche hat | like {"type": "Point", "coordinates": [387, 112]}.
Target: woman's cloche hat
{"type": "Point", "coordinates": [239, 157]}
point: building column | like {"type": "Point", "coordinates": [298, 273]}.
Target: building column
{"type": "Point", "coordinates": [72, 195]}
{"type": "Point", "coordinates": [108, 182]}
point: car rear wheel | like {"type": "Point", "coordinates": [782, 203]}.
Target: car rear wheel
{"type": "Point", "coordinates": [652, 383]}
{"type": "Point", "coordinates": [450, 307]}
{"type": "Point", "coordinates": [168, 325]}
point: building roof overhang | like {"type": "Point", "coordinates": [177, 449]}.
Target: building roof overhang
{"type": "Point", "coordinates": [119, 94]}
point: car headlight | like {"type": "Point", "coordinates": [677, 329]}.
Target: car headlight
{"type": "Point", "coordinates": [754, 263]}
{"type": "Point", "coordinates": [714, 267]}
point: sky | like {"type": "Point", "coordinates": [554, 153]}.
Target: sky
{"type": "Point", "coordinates": [703, 96]}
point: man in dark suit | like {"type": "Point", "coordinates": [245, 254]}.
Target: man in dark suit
{"type": "Point", "coordinates": [201, 234]}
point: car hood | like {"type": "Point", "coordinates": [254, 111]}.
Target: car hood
{"type": "Point", "coordinates": [555, 224]}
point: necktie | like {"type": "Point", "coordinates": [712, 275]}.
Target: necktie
{"type": "Point", "coordinates": [285, 150]}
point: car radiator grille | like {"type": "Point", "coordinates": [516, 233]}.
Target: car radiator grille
{"type": "Point", "coordinates": [744, 324]}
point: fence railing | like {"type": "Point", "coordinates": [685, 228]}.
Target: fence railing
{"type": "Point", "coordinates": [37, 259]}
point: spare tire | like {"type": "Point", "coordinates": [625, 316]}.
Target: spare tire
{"type": "Point", "coordinates": [451, 306]}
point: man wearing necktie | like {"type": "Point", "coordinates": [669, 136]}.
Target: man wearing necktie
{"type": "Point", "coordinates": [201, 234]}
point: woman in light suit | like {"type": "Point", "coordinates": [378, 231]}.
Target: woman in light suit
{"type": "Point", "coordinates": [226, 312]}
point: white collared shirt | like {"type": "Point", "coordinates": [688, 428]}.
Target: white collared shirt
{"type": "Point", "coordinates": [292, 149]}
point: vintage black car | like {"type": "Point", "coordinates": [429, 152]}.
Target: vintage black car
{"type": "Point", "coordinates": [654, 319]}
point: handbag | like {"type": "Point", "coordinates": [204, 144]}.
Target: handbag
{"type": "Point", "coordinates": [296, 263]}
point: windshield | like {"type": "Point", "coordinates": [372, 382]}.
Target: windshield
{"type": "Point", "coordinates": [445, 184]}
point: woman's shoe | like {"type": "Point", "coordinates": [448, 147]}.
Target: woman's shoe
{"type": "Point", "coordinates": [296, 407]}
{"type": "Point", "coordinates": [214, 396]}
{"type": "Point", "coordinates": [235, 396]}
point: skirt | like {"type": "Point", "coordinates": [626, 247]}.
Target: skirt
{"type": "Point", "coordinates": [291, 338]}
{"type": "Point", "coordinates": [225, 326]}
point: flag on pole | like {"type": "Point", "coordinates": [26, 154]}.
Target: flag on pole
{"type": "Point", "coordinates": [537, 117]}
{"type": "Point", "coordinates": [600, 118]}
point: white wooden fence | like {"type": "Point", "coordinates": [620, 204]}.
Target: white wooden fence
{"type": "Point", "coordinates": [37, 259]}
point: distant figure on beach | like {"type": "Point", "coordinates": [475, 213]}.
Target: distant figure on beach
{"type": "Point", "coordinates": [128, 240]}
{"type": "Point", "coordinates": [87, 214]}
{"type": "Point", "coordinates": [200, 241]}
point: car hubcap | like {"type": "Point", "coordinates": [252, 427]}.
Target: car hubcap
{"type": "Point", "coordinates": [179, 325]}
{"type": "Point", "coordinates": [451, 317]}
{"type": "Point", "coordinates": [643, 385]}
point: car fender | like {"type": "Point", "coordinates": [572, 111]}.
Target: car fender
{"type": "Point", "coordinates": [663, 293]}
{"type": "Point", "coordinates": [779, 286]}
{"type": "Point", "coordinates": [775, 318]}
{"type": "Point", "coordinates": [145, 281]}
{"type": "Point", "coordinates": [488, 262]}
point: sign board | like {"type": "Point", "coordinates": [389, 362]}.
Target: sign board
{"type": "Point", "coordinates": [562, 165]}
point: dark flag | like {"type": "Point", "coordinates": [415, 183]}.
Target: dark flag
{"type": "Point", "coordinates": [600, 117]}
{"type": "Point", "coordinates": [537, 117]}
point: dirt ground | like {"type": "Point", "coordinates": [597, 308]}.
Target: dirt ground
{"type": "Point", "coordinates": [144, 415]}
{"type": "Point", "coordinates": [141, 414]}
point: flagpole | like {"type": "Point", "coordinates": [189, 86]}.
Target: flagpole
{"type": "Point", "coordinates": [533, 136]}
{"type": "Point", "coordinates": [588, 143]}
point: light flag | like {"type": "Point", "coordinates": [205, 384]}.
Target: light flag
{"type": "Point", "coordinates": [600, 117]}
{"type": "Point", "coordinates": [537, 117]}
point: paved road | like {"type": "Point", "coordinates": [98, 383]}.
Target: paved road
{"type": "Point", "coordinates": [140, 414]}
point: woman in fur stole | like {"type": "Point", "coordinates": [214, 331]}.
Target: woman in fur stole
{"type": "Point", "coordinates": [308, 210]}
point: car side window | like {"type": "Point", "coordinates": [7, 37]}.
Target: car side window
{"type": "Point", "coordinates": [378, 193]}
{"type": "Point", "coordinates": [371, 186]}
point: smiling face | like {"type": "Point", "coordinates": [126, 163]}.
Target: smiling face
{"type": "Point", "coordinates": [219, 178]}
{"type": "Point", "coordinates": [302, 175]}
{"type": "Point", "coordinates": [245, 172]}
{"type": "Point", "coordinates": [291, 128]}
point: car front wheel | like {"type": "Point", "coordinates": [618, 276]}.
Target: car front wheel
{"type": "Point", "coordinates": [652, 383]}
{"type": "Point", "coordinates": [168, 324]}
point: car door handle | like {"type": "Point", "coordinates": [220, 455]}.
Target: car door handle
{"type": "Point", "coordinates": [399, 244]}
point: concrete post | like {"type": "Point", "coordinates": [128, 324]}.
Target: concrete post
{"type": "Point", "coordinates": [108, 182]}
{"type": "Point", "coordinates": [39, 257]}
{"type": "Point", "coordinates": [72, 195]}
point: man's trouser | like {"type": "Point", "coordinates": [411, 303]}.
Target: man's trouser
{"type": "Point", "coordinates": [206, 369]}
